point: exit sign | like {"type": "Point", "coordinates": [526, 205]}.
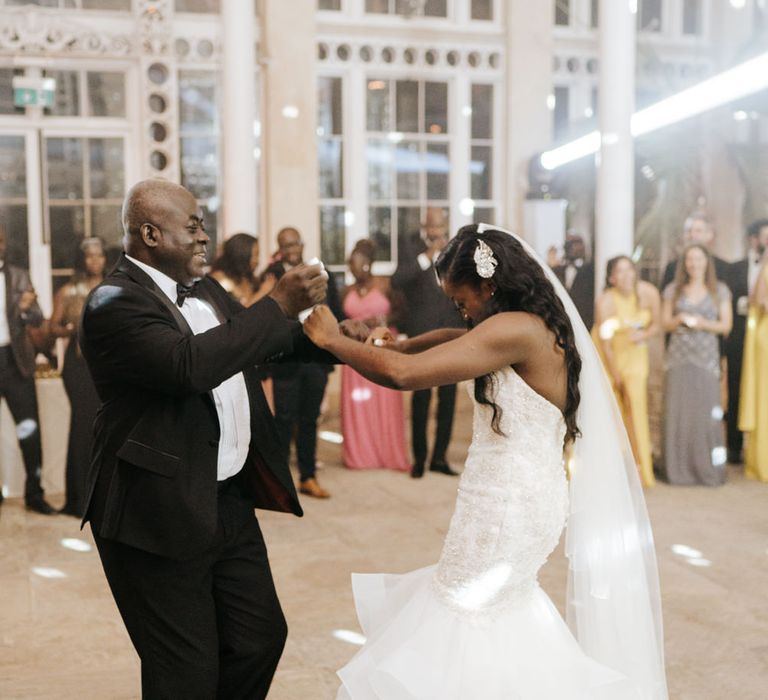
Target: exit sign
{"type": "Point", "coordinates": [33, 91]}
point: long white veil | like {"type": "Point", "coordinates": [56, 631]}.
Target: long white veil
{"type": "Point", "coordinates": [613, 600]}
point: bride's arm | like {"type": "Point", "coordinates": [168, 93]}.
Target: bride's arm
{"type": "Point", "coordinates": [502, 340]}
{"type": "Point", "coordinates": [427, 340]}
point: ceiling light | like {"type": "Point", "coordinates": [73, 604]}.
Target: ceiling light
{"type": "Point", "coordinates": [737, 82]}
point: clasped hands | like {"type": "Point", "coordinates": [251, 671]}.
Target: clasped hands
{"type": "Point", "coordinates": [305, 286]}
{"type": "Point", "coordinates": [322, 329]}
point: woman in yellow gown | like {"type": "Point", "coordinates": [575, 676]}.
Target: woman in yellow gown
{"type": "Point", "coordinates": [627, 314]}
{"type": "Point", "coordinates": [753, 406]}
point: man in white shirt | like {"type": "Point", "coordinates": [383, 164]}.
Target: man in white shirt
{"type": "Point", "coordinates": [184, 448]}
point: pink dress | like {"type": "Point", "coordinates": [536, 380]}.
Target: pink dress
{"type": "Point", "coordinates": [372, 419]}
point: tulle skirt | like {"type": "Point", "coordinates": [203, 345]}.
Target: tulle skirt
{"type": "Point", "coordinates": [418, 648]}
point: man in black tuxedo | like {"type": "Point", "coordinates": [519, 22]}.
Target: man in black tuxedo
{"type": "Point", "coordinates": [741, 278]}
{"type": "Point", "coordinates": [696, 229]}
{"type": "Point", "coordinates": [428, 309]}
{"type": "Point", "coordinates": [577, 275]}
{"type": "Point", "coordinates": [184, 448]}
{"type": "Point", "coordinates": [18, 310]}
{"type": "Point", "coordinates": [299, 387]}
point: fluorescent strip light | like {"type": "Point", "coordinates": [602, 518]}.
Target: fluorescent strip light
{"type": "Point", "coordinates": [742, 80]}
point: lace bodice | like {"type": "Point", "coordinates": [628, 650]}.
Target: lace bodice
{"type": "Point", "coordinates": [512, 502]}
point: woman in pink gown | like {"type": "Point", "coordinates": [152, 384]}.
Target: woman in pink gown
{"type": "Point", "coordinates": [372, 419]}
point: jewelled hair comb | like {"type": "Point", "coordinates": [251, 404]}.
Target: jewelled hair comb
{"type": "Point", "coordinates": [485, 262]}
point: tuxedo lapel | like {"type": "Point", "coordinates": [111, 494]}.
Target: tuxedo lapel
{"type": "Point", "coordinates": [138, 275]}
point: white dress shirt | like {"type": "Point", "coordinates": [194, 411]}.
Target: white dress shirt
{"type": "Point", "coordinates": [571, 270]}
{"type": "Point", "coordinates": [5, 331]}
{"type": "Point", "coordinates": [230, 397]}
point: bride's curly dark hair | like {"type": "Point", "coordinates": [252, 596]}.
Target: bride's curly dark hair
{"type": "Point", "coordinates": [521, 285]}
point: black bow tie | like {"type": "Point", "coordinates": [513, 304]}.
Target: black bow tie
{"type": "Point", "coordinates": [182, 292]}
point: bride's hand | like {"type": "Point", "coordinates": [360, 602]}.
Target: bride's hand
{"type": "Point", "coordinates": [381, 337]}
{"type": "Point", "coordinates": [321, 326]}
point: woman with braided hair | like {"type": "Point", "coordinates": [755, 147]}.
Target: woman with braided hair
{"type": "Point", "coordinates": [477, 624]}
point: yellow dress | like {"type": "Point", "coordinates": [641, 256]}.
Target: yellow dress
{"type": "Point", "coordinates": [753, 404]}
{"type": "Point", "coordinates": [632, 364]}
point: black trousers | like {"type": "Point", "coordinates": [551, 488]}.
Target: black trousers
{"type": "Point", "coordinates": [19, 392]}
{"type": "Point", "coordinates": [298, 397]}
{"type": "Point", "coordinates": [205, 628]}
{"type": "Point", "coordinates": [446, 404]}
{"type": "Point", "coordinates": [734, 437]}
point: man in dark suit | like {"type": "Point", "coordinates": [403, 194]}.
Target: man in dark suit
{"type": "Point", "coordinates": [578, 276]}
{"type": "Point", "coordinates": [696, 229]}
{"type": "Point", "coordinates": [741, 278]}
{"type": "Point", "coordinates": [428, 309]}
{"type": "Point", "coordinates": [19, 310]}
{"type": "Point", "coordinates": [299, 387]}
{"type": "Point", "coordinates": [184, 448]}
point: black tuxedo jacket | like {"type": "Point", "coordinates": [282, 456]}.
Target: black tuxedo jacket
{"type": "Point", "coordinates": [582, 290]}
{"type": "Point", "coordinates": [426, 305]}
{"type": "Point", "coordinates": [737, 279]}
{"type": "Point", "coordinates": [152, 481]}
{"type": "Point", "coordinates": [16, 283]}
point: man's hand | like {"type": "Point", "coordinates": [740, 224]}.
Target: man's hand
{"type": "Point", "coordinates": [300, 288]}
{"type": "Point", "coordinates": [27, 300]}
{"type": "Point", "coordinates": [357, 330]}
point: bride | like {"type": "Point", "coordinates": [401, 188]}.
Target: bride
{"type": "Point", "coordinates": [477, 625]}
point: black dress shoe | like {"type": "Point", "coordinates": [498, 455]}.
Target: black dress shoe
{"type": "Point", "coordinates": [40, 505]}
{"type": "Point", "coordinates": [417, 471]}
{"type": "Point", "coordinates": [442, 468]}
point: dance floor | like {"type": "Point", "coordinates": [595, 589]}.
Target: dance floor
{"type": "Point", "coordinates": [61, 636]}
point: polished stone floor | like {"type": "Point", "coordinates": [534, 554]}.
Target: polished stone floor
{"type": "Point", "coordinates": [61, 636]}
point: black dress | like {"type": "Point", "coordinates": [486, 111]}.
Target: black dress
{"type": "Point", "coordinates": [84, 403]}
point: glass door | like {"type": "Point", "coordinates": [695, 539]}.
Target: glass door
{"type": "Point", "coordinates": [84, 186]}
{"type": "Point", "coordinates": [14, 198]}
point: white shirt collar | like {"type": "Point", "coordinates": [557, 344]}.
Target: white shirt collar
{"type": "Point", "coordinates": [166, 284]}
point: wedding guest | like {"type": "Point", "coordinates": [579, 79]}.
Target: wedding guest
{"type": "Point", "coordinates": [628, 315]}
{"type": "Point", "coordinates": [428, 309]}
{"type": "Point", "coordinates": [753, 408]}
{"type": "Point", "coordinates": [299, 387]}
{"type": "Point", "coordinates": [18, 311]}
{"type": "Point", "coordinates": [235, 270]}
{"type": "Point", "coordinates": [742, 279]}
{"type": "Point", "coordinates": [697, 228]}
{"type": "Point", "coordinates": [84, 402]}
{"type": "Point", "coordinates": [577, 274]}
{"type": "Point", "coordinates": [185, 448]}
{"type": "Point", "coordinates": [372, 419]}
{"type": "Point", "coordinates": [696, 312]}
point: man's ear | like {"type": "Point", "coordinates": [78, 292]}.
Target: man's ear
{"type": "Point", "coordinates": [150, 235]}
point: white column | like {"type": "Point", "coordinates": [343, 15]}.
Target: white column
{"type": "Point", "coordinates": [528, 122]}
{"type": "Point", "coordinates": [238, 187]}
{"type": "Point", "coordinates": [289, 145]}
{"type": "Point", "coordinates": [615, 162]}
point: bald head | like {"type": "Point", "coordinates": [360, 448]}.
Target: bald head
{"type": "Point", "coordinates": [163, 227]}
{"type": "Point", "coordinates": [435, 217]}
{"type": "Point", "coordinates": [291, 246]}
{"type": "Point", "coordinates": [434, 229]}
{"type": "Point", "coordinates": [150, 201]}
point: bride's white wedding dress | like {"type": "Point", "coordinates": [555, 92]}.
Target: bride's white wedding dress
{"type": "Point", "coordinates": [477, 626]}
